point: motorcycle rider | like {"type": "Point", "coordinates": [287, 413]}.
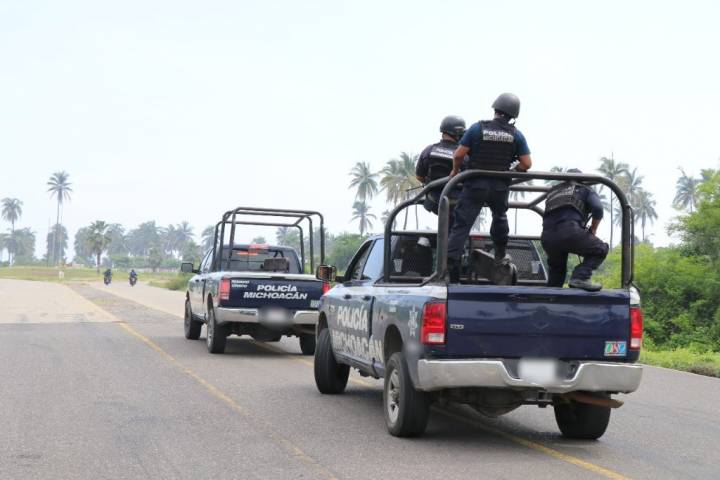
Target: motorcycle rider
{"type": "Point", "coordinates": [133, 276]}
{"type": "Point", "coordinates": [107, 276]}
{"type": "Point", "coordinates": [436, 161]}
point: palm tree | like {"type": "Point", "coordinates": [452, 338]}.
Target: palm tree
{"type": "Point", "coordinates": [398, 179]}
{"type": "Point", "coordinates": [364, 181]}
{"type": "Point", "coordinates": [11, 212]}
{"type": "Point", "coordinates": [632, 184]}
{"type": "Point", "coordinates": [184, 234]}
{"type": "Point", "coordinates": [98, 240]}
{"type": "Point", "coordinates": [612, 170]}
{"type": "Point", "coordinates": [208, 235]}
{"type": "Point", "coordinates": [361, 212]}
{"type": "Point", "coordinates": [686, 191]}
{"type": "Point", "coordinates": [61, 190]}
{"type": "Point", "coordinates": [645, 209]}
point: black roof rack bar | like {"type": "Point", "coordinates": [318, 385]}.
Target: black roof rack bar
{"type": "Point", "coordinates": [231, 217]}
{"type": "Point", "coordinates": [516, 178]}
{"type": "Point", "coordinates": [626, 234]}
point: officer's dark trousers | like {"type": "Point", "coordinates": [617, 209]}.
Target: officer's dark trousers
{"type": "Point", "coordinates": [472, 200]}
{"type": "Point", "coordinates": [431, 204]}
{"type": "Point", "coordinates": [567, 237]}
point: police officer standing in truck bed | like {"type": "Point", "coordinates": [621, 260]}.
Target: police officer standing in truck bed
{"type": "Point", "coordinates": [568, 207]}
{"type": "Point", "coordinates": [436, 161]}
{"type": "Point", "coordinates": [491, 145]}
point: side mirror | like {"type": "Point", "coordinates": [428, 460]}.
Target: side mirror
{"type": "Point", "coordinates": [326, 273]}
{"type": "Point", "coordinates": [187, 267]}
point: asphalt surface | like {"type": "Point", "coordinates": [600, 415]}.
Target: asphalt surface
{"type": "Point", "coordinates": [99, 382]}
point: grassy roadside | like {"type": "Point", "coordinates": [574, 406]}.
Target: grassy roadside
{"type": "Point", "coordinates": [48, 274]}
{"type": "Point", "coordinates": [684, 359]}
{"type": "Point", "coordinates": [176, 282]}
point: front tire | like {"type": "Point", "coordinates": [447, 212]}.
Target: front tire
{"type": "Point", "coordinates": [216, 334]}
{"type": "Point", "coordinates": [406, 409]}
{"type": "Point", "coordinates": [192, 326]}
{"type": "Point", "coordinates": [581, 421]}
{"type": "Point", "coordinates": [307, 343]}
{"type": "Point", "coordinates": [330, 376]}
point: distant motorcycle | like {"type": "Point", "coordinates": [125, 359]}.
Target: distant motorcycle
{"type": "Point", "coordinates": [133, 281]}
{"type": "Point", "coordinates": [107, 279]}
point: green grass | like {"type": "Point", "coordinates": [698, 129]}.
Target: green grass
{"type": "Point", "coordinates": [177, 282]}
{"type": "Point", "coordinates": [684, 359]}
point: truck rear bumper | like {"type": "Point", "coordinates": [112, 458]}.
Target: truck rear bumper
{"type": "Point", "coordinates": [253, 315]}
{"type": "Point", "coordinates": [588, 376]}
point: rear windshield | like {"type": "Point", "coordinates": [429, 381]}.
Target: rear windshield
{"type": "Point", "coordinates": [254, 260]}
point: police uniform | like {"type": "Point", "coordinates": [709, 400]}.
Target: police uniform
{"type": "Point", "coordinates": [493, 145]}
{"type": "Point", "coordinates": [568, 207]}
{"type": "Point", "coordinates": [435, 162]}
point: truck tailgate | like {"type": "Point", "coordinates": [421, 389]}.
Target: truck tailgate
{"type": "Point", "coordinates": [512, 322]}
{"type": "Point", "coordinates": [274, 292]}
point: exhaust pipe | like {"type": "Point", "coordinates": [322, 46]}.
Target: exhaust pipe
{"type": "Point", "coordinates": [593, 400]}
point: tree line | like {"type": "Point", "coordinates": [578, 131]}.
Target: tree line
{"type": "Point", "coordinates": [397, 179]}
{"type": "Point", "coordinates": [680, 284]}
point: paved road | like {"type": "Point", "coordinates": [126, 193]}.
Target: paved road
{"type": "Point", "coordinates": [98, 384]}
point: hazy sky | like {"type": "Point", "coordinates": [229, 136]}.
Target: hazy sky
{"type": "Point", "coordinates": [175, 110]}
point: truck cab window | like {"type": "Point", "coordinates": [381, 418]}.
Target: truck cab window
{"type": "Point", "coordinates": [356, 266]}
{"type": "Point", "coordinates": [205, 264]}
{"type": "Point", "coordinates": [373, 269]}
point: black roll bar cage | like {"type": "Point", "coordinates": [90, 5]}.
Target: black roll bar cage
{"type": "Point", "coordinates": [516, 180]}
{"type": "Point", "coordinates": [231, 218]}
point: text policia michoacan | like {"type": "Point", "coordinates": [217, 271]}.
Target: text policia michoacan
{"type": "Point", "coordinates": [276, 292]}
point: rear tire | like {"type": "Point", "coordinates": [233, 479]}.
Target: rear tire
{"type": "Point", "coordinates": [330, 376]}
{"type": "Point", "coordinates": [216, 334]}
{"type": "Point", "coordinates": [406, 409]}
{"type": "Point", "coordinates": [192, 326]}
{"type": "Point", "coordinates": [581, 421]}
{"type": "Point", "coordinates": [307, 344]}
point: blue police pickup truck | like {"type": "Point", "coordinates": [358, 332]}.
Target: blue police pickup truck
{"type": "Point", "coordinates": [253, 289]}
{"type": "Point", "coordinates": [393, 315]}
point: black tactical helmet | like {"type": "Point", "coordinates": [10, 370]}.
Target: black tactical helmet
{"type": "Point", "coordinates": [453, 126]}
{"type": "Point", "coordinates": [507, 103]}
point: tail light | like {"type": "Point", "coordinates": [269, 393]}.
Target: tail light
{"type": "Point", "coordinates": [636, 328]}
{"type": "Point", "coordinates": [224, 292]}
{"type": "Point", "coordinates": [432, 331]}
{"type": "Point", "coordinates": [325, 287]}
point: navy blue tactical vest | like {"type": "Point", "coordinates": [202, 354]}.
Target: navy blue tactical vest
{"type": "Point", "coordinates": [440, 160]}
{"type": "Point", "coordinates": [495, 150]}
{"type": "Point", "coordinates": [566, 195]}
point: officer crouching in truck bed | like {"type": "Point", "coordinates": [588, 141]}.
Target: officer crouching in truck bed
{"type": "Point", "coordinates": [568, 207]}
{"type": "Point", "coordinates": [436, 162]}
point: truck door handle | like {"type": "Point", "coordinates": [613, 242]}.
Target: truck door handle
{"type": "Point", "coordinates": [347, 296]}
{"type": "Point", "coordinates": [367, 298]}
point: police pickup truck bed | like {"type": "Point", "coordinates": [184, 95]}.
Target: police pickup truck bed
{"type": "Point", "coordinates": [492, 347]}
{"type": "Point", "coordinates": [260, 292]}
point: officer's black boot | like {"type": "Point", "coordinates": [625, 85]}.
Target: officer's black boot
{"type": "Point", "coordinates": [500, 254]}
{"type": "Point", "coordinates": [584, 284]}
{"type": "Point", "coordinates": [454, 270]}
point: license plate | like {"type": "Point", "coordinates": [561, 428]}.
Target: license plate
{"type": "Point", "coordinates": [541, 371]}
{"type": "Point", "coordinates": [275, 316]}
